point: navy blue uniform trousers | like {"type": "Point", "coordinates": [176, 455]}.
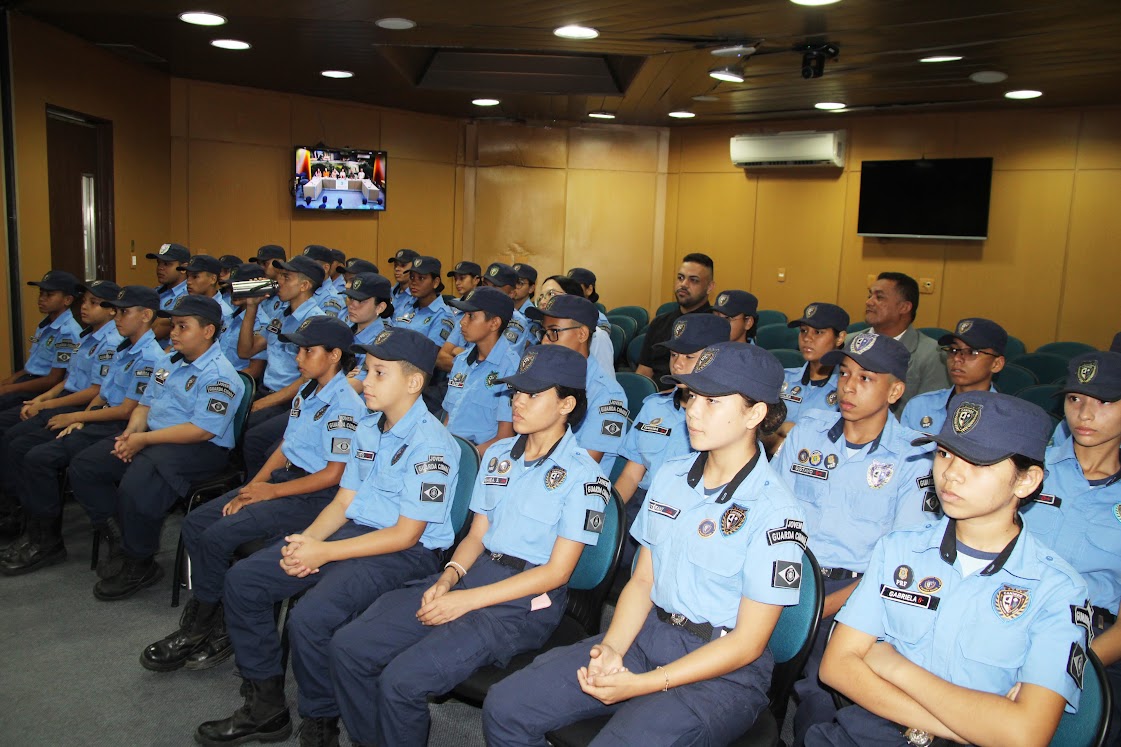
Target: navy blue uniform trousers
{"type": "Point", "coordinates": [211, 538]}
{"type": "Point", "coordinates": [16, 439]}
{"type": "Point", "coordinates": [855, 727]}
{"type": "Point", "coordinates": [385, 664]}
{"type": "Point", "coordinates": [815, 701]}
{"type": "Point", "coordinates": [335, 596]}
{"type": "Point", "coordinates": [148, 486]}
{"type": "Point", "coordinates": [263, 434]}
{"type": "Point", "coordinates": [546, 695]}
{"type": "Point", "coordinates": [38, 482]}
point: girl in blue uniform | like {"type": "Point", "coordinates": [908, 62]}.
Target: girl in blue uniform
{"type": "Point", "coordinates": [814, 385]}
{"type": "Point", "coordinates": [685, 658]}
{"type": "Point", "coordinates": [537, 503]}
{"type": "Point", "coordinates": [369, 307]}
{"type": "Point", "coordinates": [962, 628]}
{"type": "Point", "coordinates": [426, 312]}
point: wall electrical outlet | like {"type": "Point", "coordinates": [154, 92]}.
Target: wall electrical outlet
{"type": "Point", "coordinates": [926, 285]}
{"type": "Point", "coordinates": [134, 261]}
{"type": "Point", "coordinates": [782, 274]}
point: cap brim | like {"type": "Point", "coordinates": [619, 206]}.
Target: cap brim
{"type": "Point", "coordinates": [379, 353]}
{"type": "Point", "coordinates": [1097, 392]}
{"type": "Point", "coordinates": [678, 347]}
{"type": "Point", "coordinates": [808, 323]}
{"type": "Point", "coordinates": [357, 295]}
{"type": "Point", "coordinates": [701, 384]}
{"type": "Point", "coordinates": [462, 305]}
{"type": "Point", "coordinates": [970, 451]}
{"type": "Point", "coordinates": [50, 286]}
{"type": "Point", "coordinates": [833, 357]}
{"type": "Point", "coordinates": [303, 341]}
{"type": "Point", "coordinates": [523, 382]}
{"type": "Point", "coordinates": [167, 313]}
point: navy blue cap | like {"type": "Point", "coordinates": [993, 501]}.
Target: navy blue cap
{"type": "Point", "coordinates": [465, 268]}
{"type": "Point", "coordinates": [57, 280]}
{"type": "Point", "coordinates": [202, 263]}
{"type": "Point", "coordinates": [369, 285]}
{"type": "Point", "coordinates": [355, 265]}
{"type": "Point", "coordinates": [582, 275]}
{"type": "Point", "coordinates": [546, 366]}
{"type": "Point", "coordinates": [135, 295]}
{"type": "Point", "coordinates": [1097, 374]}
{"type": "Point", "coordinates": [338, 255]}
{"type": "Point", "coordinates": [736, 302]}
{"type": "Point", "coordinates": [325, 329]}
{"type": "Point", "coordinates": [268, 253]}
{"type": "Point", "coordinates": [565, 306]}
{"type": "Point", "coordinates": [319, 253]}
{"type": "Point", "coordinates": [104, 289]}
{"type": "Point", "coordinates": [170, 253]}
{"type": "Point", "coordinates": [988, 427]}
{"type": "Point", "coordinates": [525, 272]}
{"type": "Point", "coordinates": [734, 368]}
{"type": "Point", "coordinates": [426, 266]}
{"type": "Point", "coordinates": [693, 332]}
{"type": "Point", "coordinates": [203, 306]}
{"type": "Point", "coordinates": [400, 344]}
{"type": "Point", "coordinates": [500, 274]}
{"type": "Point", "coordinates": [247, 271]}
{"type": "Point", "coordinates": [490, 300]}
{"type": "Point", "coordinates": [823, 316]}
{"type": "Point", "coordinates": [978, 334]}
{"type": "Point", "coordinates": [230, 261]}
{"type": "Point", "coordinates": [1115, 346]}
{"type": "Point", "coordinates": [872, 352]}
{"type": "Point", "coordinates": [404, 256]}
{"type": "Point", "coordinates": [304, 266]}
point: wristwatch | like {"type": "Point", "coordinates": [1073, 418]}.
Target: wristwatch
{"type": "Point", "coordinates": [918, 737]}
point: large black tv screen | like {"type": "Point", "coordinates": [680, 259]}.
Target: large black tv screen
{"type": "Point", "coordinates": [930, 198]}
{"type": "Point", "coordinates": [339, 179]}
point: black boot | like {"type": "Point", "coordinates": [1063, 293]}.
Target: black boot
{"type": "Point", "coordinates": [11, 520]}
{"type": "Point", "coordinates": [263, 718]}
{"type": "Point", "coordinates": [195, 625]}
{"type": "Point", "coordinates": [43, 547]}
{"type": "Point", "coordinates": [111, 558]}
{"type": "Point", "coordinates": [319, 732]}
{"type": "Point", "coordinates": [214, 650]}
{"type": "Point", "coordinates": [136, 574]}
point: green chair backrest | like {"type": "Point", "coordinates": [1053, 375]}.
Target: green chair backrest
{"type": "Point", "coordinates": [771, 316]}
{"type": "Point", "coordinates": [1089, 726]}
{"type": "Point", "coordinates": [634, 350]}
{"type": "Point", "coordinates": [666, 308]}
{"type": "Point", "coordinates": [775, 336]}
{"type": "Point", "coordinates": [789, 358]}
{"type": "Point", "coordinates": [461, 501]}
{"type": "Point", "coordinates": [639, 314]}
{"type": "Point", "coordinates": [625, 323]}
{"type": "Point", "coordinates": [1065, 349]}
{"type": "Point", "coordinates": [1046, 367]}
{"type": "Point", "coordinates": [637, 388]}
{"type": "Point", "coordinates": [1013, 378]}
{"type": "Point", "coordinates": [1044, 395]}
{"type": "Point", "coordinates": [934, 333]}
{"type": "Point", "coordinates": [241, 415]}
{"type": "Point", "coordinates": [618, 341]}
{"type": "Point", "coordinates": [1015, 348]}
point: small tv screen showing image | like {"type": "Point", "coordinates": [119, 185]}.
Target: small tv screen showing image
{"type": "Point", "coordinates": [339, 179]}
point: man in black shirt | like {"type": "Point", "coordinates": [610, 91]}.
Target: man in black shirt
{"type": "Point", "coordinates": [691, 288]}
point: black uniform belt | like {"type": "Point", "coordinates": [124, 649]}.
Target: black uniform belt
{"type": "Point", "coordinates": [703, 631]}
{"type": "Point", "coordinates": [839, 574]}
{"type": "Point", "coordinates": [1103, 618]}
{"type": "Point", "coordinates": [293, 469]}
{"type": "Point", "coordinates": [508, 560]}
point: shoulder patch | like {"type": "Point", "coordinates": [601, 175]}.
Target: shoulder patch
{"type": "Point", "coordinates": [340, 445]}
{"type": "Point", "coordinates": [614, 407]}
{"type": "Point", "coordinates": [343, 421]}
{"type": "Point", "coordinates": [220, 387]}
{"type": "Point", "coordinates": [1076, 663]}
{"type": "Point", "coordinates": [791, 531]}
{"type": "Point", "coordinates": [613, 428]}
{"type": "Point", "coordinates": [600, 487]}
{"type": "Point", "coordinates": [593, 521]}
{"type": "Point", "coordinates": [786, 575]}
{"type": "Point", "coordinates": [218, 406]}
{"type": "Point", "coordinates": [431, 492]}
{"type": "Point", "coordinates": [434, 463]}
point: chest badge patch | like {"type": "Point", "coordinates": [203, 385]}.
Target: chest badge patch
{"type": "Point", "coordinates": [926, 421]}
{"type": "Point", "coordinates": [504, 467]}
{"type": "Point", "coordinates": [1117, 511]}
{"type": "Point", "coordinates": [879, 474]}
{"type": "Point", "coordinates": [707, 528]}
{"type": "Point", "coordinates": [804, 456]}
{"type": "Point", "coordinates": [831, 461]}
{"type": "Point", "coordinates": [190, 383]}
{"type": "Point", "coordinates": [732, 519]}
{"type": "Point", "coordinates": [904, 577]}
{"type": "Point", "coordinates": [400, 453]}
{"type": "Point", "coordinates": [930, 585]}
{"type": "Point", "coordinates": [1010, 602]}
{"type": "Point", "coordinates": [815, 457]}
{"type": "Point", "coordinates": [831, 398]}
{"type": "Point", "coordinates": [554, 477]}
{"type": "Point", "coordinates": [492, 465]}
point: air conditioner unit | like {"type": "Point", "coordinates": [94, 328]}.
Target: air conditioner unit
{"type": "Point", "coordinates": [789, 150]}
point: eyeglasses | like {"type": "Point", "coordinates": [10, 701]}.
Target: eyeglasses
{"type": "Point", "coordinates": [970, 353]}
{"type": "Point", "coordinates": [553, 333]}
{"type": "Point", "coordinates": [549, 294]}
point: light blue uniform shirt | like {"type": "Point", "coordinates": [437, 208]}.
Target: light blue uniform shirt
{"type": "Point", "coordinates": [53, 344]}
{"type": "Point", "coordinates": [131, 370]}
{"type": "Point", "coordinates": [90, 365]}
{"type": "Point", "coordinates": [322, 424]}
{"type": "Point", "coordinates": [339, 283]}
{"type": "Point", "coordinates": [1061, 434]}
{"type": "Point", "coordinates": [169, 295]}
{"type": "Point", "coordinates": [281, 369]}
{"type": "Point", "coordinates": [475, 401]}
{"type": "Point", "coordinates": [517, 332]}
{"type": "Point", "coordinates": [330, 300]}
{"type": "Point", "coordinates": [658, 434]}
{"type": "Point", "coordinates": [1009, 622]}
{"type": "Point", "coordinates": [531, 503]}
{"type": "Point", "coordinates": [411, 470]}
{"type": "Point", "coordinates": [427, 321]}
{"type": "Point", "coordinates": [230, 335]}
{"type": "Point", "coordinates": [850, 502]}
{"type": "Point", "coordinates": [1081, 522]}
{"type": "Point", "coordinates": [606, 424]}
{"type": "Point", "coordinates": [927, 411]}
{"type": "Point", "coordinates": [712, 550]}
{"type": "Point", "coordinates": [366, 337]}
{"type": "Point", "coordinates": [204, 392]}
{"type": "Point", "coordinates": [402, 296]}
{"type": "Point", "coordinates": [800, 393]}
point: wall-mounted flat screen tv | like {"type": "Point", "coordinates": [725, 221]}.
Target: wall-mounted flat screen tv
{"type": "Point", "coordinates": [929, 198]}
{"type": "Point", "coordinates": [339, 179]}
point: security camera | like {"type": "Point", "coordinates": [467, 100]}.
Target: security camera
{"type": "Point", "coordinates": [813, 65]}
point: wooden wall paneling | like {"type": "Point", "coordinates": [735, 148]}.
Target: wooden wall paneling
{"type": "Point", "coordinates": [179, 91]}
{"type": "Point", "coordinates": [520, 216]}
{"type": "Point", "coordinates": [419, 137]}
{"type": "Point", "coordinates": [895, 137]}
{"type": "Point", "coordinates": [1050, 142]}
{"type": "Point", "coordinates": [420, 213]}
{"type": "Point", "coordinates": [239, 115]}
{"type": "Point", "coordinates": [618, 148]}
{"type": "Point", "coordinates": [179, 222]}
{"type": "Point", "coordinates": [661, 288]}
{"type": "Point", "coordinates": [716, 216]}
{"type": "Point", "coordinates": [503, 144]}
{"type": "Point", "coordinates": [1099, 140]}
{"type": "Point", "coordinates": [1091, 305]}
{"type": "Point", "coordinates": [335, 124]}
{"type": "Point", "coordinates": [708, 149]}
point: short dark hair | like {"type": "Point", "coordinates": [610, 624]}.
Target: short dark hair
{"type": "Point", "coordinates": [576, 417]}
{"type": "Point", "coordinates": [501, 327]}
{"type": "Point", "coordinates": [1022, 464]}
{"type": "Point", "coordinates": [700, 259]}
{"type": "Point", "coordinates": [775, 417]}
{"type": "Point", "coordinates": [204, 322]}
{"type": "Point", "coordinates": [907, 286]}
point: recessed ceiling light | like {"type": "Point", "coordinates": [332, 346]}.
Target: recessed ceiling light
{"type": "Point", "coordinates": [229, 44]}
{"type": "Point", "coordinates": [1024, 94]}
{"type": "Point", "coordinates": [485, 102]}
{"type": "Point", "coordinates": [728, 74]}
{"type": "Point", "coordinates": [705, 97]}
{"type": "Point", "coordinates": [337, 74]}
{"type": "Point", "coordinates": [682, 115]}
{"type": "Point", "coordinates": [395, 24]}
{"type": "Point", "coordinates": [814, 2]}
{"type": "Point", "coordinates": [942, 58]}
{"type": "Point", "coordinates": [576, 32]}
{"type": "Point", "coordinates": [829, 105]}
{"type": "Point", "coordinates": [202, 18]}
{"type": "Point", "coordinates": [988, 76]}
{"type": "Point", "coordinates": [601, 115]}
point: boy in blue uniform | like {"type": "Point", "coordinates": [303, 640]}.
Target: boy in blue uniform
{"type": "Point", "coordinates": [172, 281]}
{"type": "Point", "coordinates": [685, 660]}
{"type": "Point", "coordinates": [857, 477]}
{"type": "Point", "coordinates": [402, 263]}
{"type": "Point", "coordinates": [821, 329]}
{"type": "Point", "coordinates": [369, 307]}
{"type": "Point", "coordinates": [338, 265]}
{"type": "Point", "coordinates": [465, 276]}
{"type": "Point", "coordinates": [741, 309]}
{"type": "Point", "coordinates": [974, 354]}
{"type": "Point", "coordinates": [526, 287]}
{"type": "Point", "coordinates": [326, 295]}
{"type": "Point", "coordinates": [386, 526]}
{"type": "Point", "coordinates": [570, 321]}
{"type": "Point", "coordinates": [356, 265]}
{"type": "Point", "coordinates": [229, 263]}
{"type": "Point", "coordinates": [1078, 513]}
{"type": "Point", "coordinates": [231, 335]}
{"type": "Point", "coordinates": [497, 275]}
{"type": "Point", "coordinates": [203, 279]}
{"type": "Point", "coordinates": [296, 483]}
{"type": "Point", "coordinates": [182, 431]}
{"type": "Point", "coordinates": [962, 628]}
{"type": "Point", "coordinates": [477, 403]}
{"type": "Point", "coordinates": [537, 504]}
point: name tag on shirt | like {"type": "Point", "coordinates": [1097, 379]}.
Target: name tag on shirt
{"type": "Point", "coordinates": [660, 508]}
{"type": "Point", "coordinates": [926, 601]}
{"type": "Point", "coordinates": [814, 472]}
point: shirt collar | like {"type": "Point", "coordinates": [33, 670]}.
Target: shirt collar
{"type": "Point", "coordinates": [1011, 558]}
{"type": "Point", "coordinates": [404, 427]}
{"type": "Point", "coordinates": [696, 472]}
{"type": "Point", "coordinates": [212, 352]}
{"type": "Point", "coordinates": [518, 449]}
{"type": "Point", "coordinates": [59, 320]}
{"type": "Point", "coordinates": [807, 381]}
